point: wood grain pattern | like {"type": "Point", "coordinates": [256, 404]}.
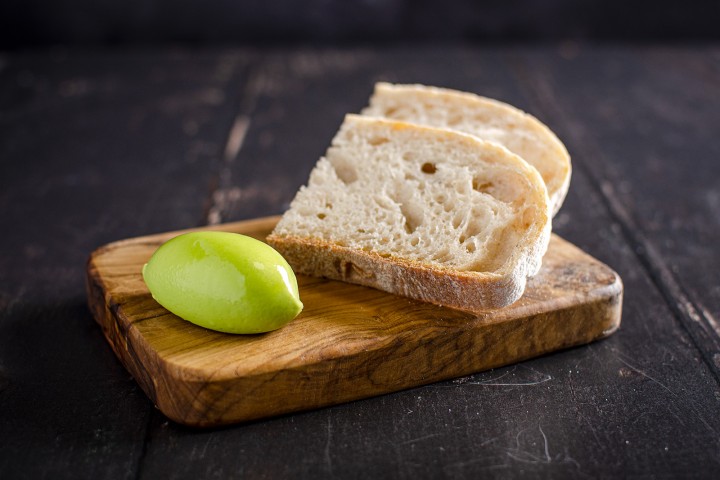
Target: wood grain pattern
{"type": "Point", "coordinates": [350, 342]}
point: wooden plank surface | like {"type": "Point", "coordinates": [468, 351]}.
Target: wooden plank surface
{"type": "Point", "coordinates": [652, 141]}
{"type": "Point", "coordinates": [642, 403]}
{"type": "Point", "coordinates": [348, 343]}
{"type": "Point", "coordinates": [74, 129]}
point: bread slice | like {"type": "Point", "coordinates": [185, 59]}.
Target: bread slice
{"type": "Point", "coordinates": [488, 119]}
{"type": "Point", "coordinates": [431, 214]}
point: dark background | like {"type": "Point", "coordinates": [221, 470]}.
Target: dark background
{"type": "Point", "coordinates": [99, 144]}
{"type": "Point", "coordinates": [37, 23]}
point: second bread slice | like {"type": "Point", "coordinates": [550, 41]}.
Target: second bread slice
{"type": "Point", "coordinates": [426, 213]}
{"type": "Point", "coordinates": [483, 117]}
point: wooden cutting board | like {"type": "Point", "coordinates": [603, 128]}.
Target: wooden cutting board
{"type": "Point", "coordinates": [349, 342]}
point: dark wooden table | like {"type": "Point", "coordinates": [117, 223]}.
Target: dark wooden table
{"type": "Point", "coordinates": [97, 146]}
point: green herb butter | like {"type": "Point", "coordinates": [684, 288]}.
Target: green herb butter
{"type": "Point", "coordinates": [224, 281]}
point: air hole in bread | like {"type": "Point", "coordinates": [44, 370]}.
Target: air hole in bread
{"type": "Point", "coordinates": [321, 216]}
{"type": "Point", "coordinates": [413, 216]}
{"type": "Point", "coordinates": [480, 186]}
{"type": "Point", "coordinates": [470, 247]}
{"type": "Point", "coordinates": [408, 156]}
{"type": "Point", "coordinates": [473, 228]}
{"type": "Point", "coordinates": [461, 187]}
{"type": "Point", "coordinates": [457, 219]}
{"type": "Point", "coordinates": [414, 241]}
{"type": "Point", "coordinates": [500, 188]}
{"type": "Point", "coordinates": [390, 111]}
{"type": "Point", "coordinates": [375, 141]}
{"type": "Point", "coordinates": [344, 168]}
{"type": "Point", "coordinates": [346, 174]}
{"type": "Point", "coordinates": [428, 168]}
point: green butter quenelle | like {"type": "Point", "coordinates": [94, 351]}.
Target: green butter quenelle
{"type": "Point", "coordinates": [224, 281]}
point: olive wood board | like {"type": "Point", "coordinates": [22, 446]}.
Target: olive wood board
{"type": "Point", "coordinates": [349, 342]}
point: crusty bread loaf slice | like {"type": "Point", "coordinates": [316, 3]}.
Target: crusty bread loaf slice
{"type": "Point", "coordinates": [431, 214]}
{"type": "Point", "coordinates": [488, 119]}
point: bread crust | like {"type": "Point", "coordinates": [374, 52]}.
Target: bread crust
{"type": "Point", "coordinates": [464, 290]}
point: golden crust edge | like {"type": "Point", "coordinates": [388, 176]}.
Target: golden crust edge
{"type": "Point", "coordinates": [463, 290]}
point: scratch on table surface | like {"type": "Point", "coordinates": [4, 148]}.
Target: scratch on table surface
{"type": "Point", "coordinates": [675, 415]}
{"type": "Point", "coordinates": [227, 195]}
{"type": "Point", "coordinates": [524, 456]}
{"type": "Point", "coordinates": [236, 137]}
{"type": "Point", "coordinates": [328, 443]}
{"type": "Point", "coordinates": [654, 380]}
{"type": "Point", "coordinates": [419, 439]}
{"type": "Point", "coordinates": [641, 372]}
{"type": "Point", "coordinates": [493, 382]}
{"type": "Point", "coordinates": [202, 451]}
{"type": "Point", "coordinates": [546, 379]}
{"type": "Point", "coordinates": [689, 308]}
{"type": "Point", "coordinates": [710, 319]}
{"type": "Point", "coordinates": [545, 441]}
